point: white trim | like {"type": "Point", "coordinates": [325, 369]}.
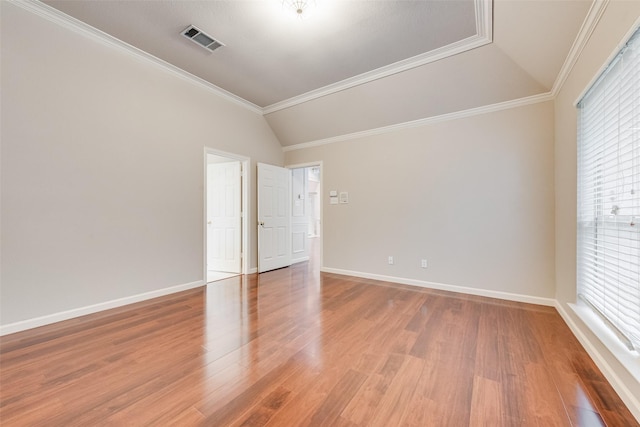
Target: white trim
{"type": "Point", "coordinates": [90, 309]}
{"type": "Point", "coordinates": [246, 214]}
{"type": "Point", "coordinates": [484, 30]}
{"type": "Point", "coordinates": [484, 18]}
{"type": "Point", "coordinates": [301, 259]}
{"type": "Point", "coordinates": [629, 399]}
{"type": "Point", "coordinates": [79, 27]}
{"type": "Point", "coordinates": [444, 287]}
{"type": "Point", "coordinates": [588, 27]}
{"type": "Point", "coordinates": [304, 165]}
{"type": "Point", "coordinates": [253, 270]}
{"type": "Point", "coordinates": [388, 70]}
{"type": "Point", "coordinates": [483, 36]}
{"type": "Point", "coordinates": [534, 99]}
{"type": "Point", "coordinates": [607, 63]}
{"type": "Point", "coordinates": [318, 163]}
{"type": "Point", "coordinates": [246, 206]}
{"type": "Point", "coordinates": [614, 343]}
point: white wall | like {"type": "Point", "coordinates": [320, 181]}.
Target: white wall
{"type": "Point", "coordinates": [102, 181]}
{"type": "Point", "coordinates": [474, 196]}
{"type": "Point", "coordinates": [618, 18]}
{"type": "Point", "coordinates": [478, 77]}
{"type": "Point", "coordinates": [103, 169]}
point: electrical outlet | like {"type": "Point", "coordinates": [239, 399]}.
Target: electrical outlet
{"type": "Point", "coordinates": [390, 260]}
{"type": "Point", "coordinates": [423, 263]}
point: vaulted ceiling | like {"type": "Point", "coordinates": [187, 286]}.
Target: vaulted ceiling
{"type": "Point", "coordinates": [353, 65]}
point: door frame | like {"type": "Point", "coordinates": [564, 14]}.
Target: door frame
{"type": "Point", "coordinates": [320, 200]}
{"type": "Point", "coordinates": [246, 207]}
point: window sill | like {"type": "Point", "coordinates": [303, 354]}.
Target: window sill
{"type": "Point", "coordinates": [629, 359]}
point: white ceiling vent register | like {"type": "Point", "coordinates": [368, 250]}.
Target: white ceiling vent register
{"type": "Point", "coordinates": [202, 39]}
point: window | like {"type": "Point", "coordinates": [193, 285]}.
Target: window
{"type": "Point", "coordinates": [609, 194]}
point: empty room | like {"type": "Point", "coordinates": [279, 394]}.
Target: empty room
{"type": "Point", "coordinates": [320, 212]}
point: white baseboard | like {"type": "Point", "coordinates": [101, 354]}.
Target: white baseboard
{"type": "Point", "coordinates": [301, 259]}
{"type": "Point", "coordinates": [90, 309]}
{"type": "Point", "coordinates": [253, 270]}
{"type": "Point", "coordinates": [625, 394]}
{"type": "Point", "coordinates": [443, 287]}
{"type": "Point", "coordinates": [629, 399]}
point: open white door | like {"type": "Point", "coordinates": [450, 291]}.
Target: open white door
{"type": "Point", "coordinates": [224, 217]}
{"type": "Point", "coordinates": [274, 217]}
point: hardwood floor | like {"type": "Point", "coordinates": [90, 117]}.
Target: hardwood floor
{"type": "Point", "coordinates": [293, 347]}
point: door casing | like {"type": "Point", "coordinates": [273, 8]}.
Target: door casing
{"type": "Point", "coordinates": [320, 200]}
{"type": "Point", "coordinates": [246, 208]}
{"type": "Point", "coordinates": [224, 216]}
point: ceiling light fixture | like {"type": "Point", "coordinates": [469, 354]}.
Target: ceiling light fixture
{"type": "Point", "coordinates": [299, 8]}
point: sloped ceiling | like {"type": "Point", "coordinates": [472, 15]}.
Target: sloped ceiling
{"type": "Point", "coordinates": [276, 63]}
{"type": "Point", "coordinates": [530, 43]}
{"type": "Point", "coordinates": [270, 57]}
{"type": "Point", "coordinates": [537, 35]}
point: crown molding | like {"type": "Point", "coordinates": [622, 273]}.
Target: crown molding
{"type": "Point", "coordinates": [615, 52]}
{"type": "Point", "coordinates": [484, 18]}
{"type": "Point", "coordinates": [484, 30]}
{"type": "Point", "coordinates": [395, 68]}
{"type": "Point", "coordinates": [534, 99]}
{"type": "Point", "coordinates": [483, 36]}
{"type": "Point", "coordinates": [54, 15]}
{"type": "Point", "coordinates": [584, 34]}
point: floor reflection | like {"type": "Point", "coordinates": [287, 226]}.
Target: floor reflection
{"type": "Point", "coordinates": [296, 347]}
{"type": "Point", "coordinates": [250, 324]}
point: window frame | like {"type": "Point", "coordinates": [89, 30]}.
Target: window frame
{"type": "Point", "coordinates": [592, 318]}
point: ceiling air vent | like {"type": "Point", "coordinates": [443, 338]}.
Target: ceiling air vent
{"type": "Point", "coordinates": [200, 38]}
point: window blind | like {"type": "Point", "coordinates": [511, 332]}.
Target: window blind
{"type": "Point", "coordinates": [609, 194]}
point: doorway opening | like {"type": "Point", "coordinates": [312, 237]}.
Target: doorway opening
{"type": "Point", "coordinates": [225, 223]}
{"type": "Point", "coordinates": [306, 213]}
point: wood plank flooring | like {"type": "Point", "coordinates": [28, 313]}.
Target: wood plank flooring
{"type": "Point", "coordinates": [294, 347]}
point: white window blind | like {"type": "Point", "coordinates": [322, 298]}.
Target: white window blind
{"type": "Point", "coordinates": [609, 194]}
